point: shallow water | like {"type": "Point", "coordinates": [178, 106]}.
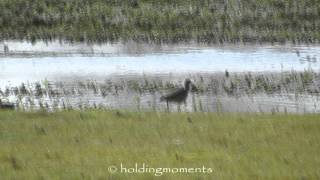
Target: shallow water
{"type": "Point", "coordinates": [81, 94]}
{"type": "Point", "coordinates": [55, 62]}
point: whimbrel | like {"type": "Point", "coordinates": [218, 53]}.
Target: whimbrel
{"type": "Point", "coordinates": [178, 96]}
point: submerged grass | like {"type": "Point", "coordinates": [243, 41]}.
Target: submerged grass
{"type": "Point", "coordinates": [163, 21]}
{"type": "Point", "coordinates": [75, 144]}
{"type": "Point", "coordinates": [56, 95]}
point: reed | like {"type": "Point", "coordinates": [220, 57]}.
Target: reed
{"type": "Point", "coordinates": [55, 94]}
{"type": "Point", "coordinates": [202, 21]}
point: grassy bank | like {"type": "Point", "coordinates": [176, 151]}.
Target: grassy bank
{"type": "Point", "coordinates": [74, 145]}
{"type": "Point", "coordinates": [208, 21]}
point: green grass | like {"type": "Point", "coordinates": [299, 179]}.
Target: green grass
{"type": "Point", "coordinates": [161, 21]}
{"type": "Point", "coordinates": [81, 145]}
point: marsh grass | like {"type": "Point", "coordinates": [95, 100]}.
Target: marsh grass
{"type": "Point", "coordinates": [203, 21]}
{"type": "Point", "coordinates": [76, 145]}
{"type": "Point", "coordinates": [55, 95]}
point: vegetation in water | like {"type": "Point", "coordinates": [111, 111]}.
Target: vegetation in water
{"type": "Point", "coordinates": [162, 21]}
{"type": "Point", "coordinates": [48, 95]}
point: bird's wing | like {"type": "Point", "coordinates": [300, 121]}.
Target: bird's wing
{"type": "Point", "coordinates": [173, 94]}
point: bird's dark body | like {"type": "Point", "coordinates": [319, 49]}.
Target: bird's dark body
{"type": "Point", "coordinates": [178, 96]}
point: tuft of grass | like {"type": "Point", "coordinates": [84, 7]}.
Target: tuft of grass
{"type": "Point", "coordinates": [82, 145]}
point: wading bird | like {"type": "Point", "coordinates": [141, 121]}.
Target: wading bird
{"type": "Point", "coordinates": [4, 105]}
{"type": "Point", "coordinates": [180, 95]}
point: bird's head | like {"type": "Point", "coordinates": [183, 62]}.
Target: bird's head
{"type": "Point", "coordinates": [187, 83]}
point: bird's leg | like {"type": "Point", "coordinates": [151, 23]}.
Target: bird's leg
{"type": "Point", "coordinates": [168, 106]}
